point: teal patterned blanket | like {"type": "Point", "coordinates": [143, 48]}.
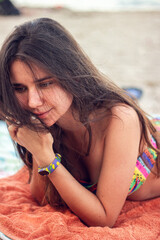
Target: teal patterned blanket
{"type": "Point", "coordinates": [10, 162]}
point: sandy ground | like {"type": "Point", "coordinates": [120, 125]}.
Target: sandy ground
{"type": "Point", "coordinates": [123, 45]}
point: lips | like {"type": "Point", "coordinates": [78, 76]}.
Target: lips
{"type": "Point", "coordinates": [43, 115]}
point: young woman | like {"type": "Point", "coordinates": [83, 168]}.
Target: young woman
{"type": "Point", "coordinates": [86, 143]}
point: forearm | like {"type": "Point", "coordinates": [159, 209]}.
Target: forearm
{"type": "Point", "coordinates": [82, 202]}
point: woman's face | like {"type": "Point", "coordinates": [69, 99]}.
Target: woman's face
{"type": "Point", "coordinates": [39, 93]}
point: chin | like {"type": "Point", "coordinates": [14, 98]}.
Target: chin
{"type": "Point", "coordinates": [49, 123]}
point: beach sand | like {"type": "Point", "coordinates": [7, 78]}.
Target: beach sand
{"type": "Point", "coordinates": [123, 45]}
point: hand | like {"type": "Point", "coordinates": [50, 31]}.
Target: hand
{"type": "Point", "coordinates": [37, 143]}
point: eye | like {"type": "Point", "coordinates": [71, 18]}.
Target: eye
{"type": "Point", "coordinates": [19, 88]}
{"type": "Point", "coordinates": [45, 84]}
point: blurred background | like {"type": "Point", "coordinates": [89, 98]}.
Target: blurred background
{"type": "Point", "coordinates": [122, 37]}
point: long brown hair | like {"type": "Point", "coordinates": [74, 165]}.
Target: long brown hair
{"type": "Point", "coordinates": [47, 44]}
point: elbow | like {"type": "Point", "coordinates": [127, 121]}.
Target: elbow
{"type": "Point", "coordinates": [105, 221]}
{"type": "Point", "coordinates": [109, 219]}
{"type": "Point", "coordinates": [102, 224]}
{"type": "Point", "coordinates": [110, 224]}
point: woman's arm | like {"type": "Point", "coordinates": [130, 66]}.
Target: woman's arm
{"type": "Point", "coordinates": [120, 155]}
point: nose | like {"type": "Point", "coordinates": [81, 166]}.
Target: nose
{"type": "Point", "coordinates": [34, 99]}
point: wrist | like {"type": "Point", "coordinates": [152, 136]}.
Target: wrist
{"type": "Point", "coordinates": [45, 159]}
{"type": "Point", "coordinates": [47, 170]}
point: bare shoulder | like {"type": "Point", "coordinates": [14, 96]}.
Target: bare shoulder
{"type": "Point", "coordinates": [126, 115]}
{"type": "Point", "coordinates": [124, 111]}
{"type": "Point", "coordinates": [124, 124]}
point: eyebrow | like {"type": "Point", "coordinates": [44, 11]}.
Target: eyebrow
{"type": "Point", "coordinates": [42, 79]}
{"type": "Point", "coordinates": [36, 81]}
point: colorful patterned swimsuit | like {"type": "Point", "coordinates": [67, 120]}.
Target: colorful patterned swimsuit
{"type": "Point", "coordinates": [143, 166]}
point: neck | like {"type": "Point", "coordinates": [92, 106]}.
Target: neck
{"type": "Point", "coordinates": [75, 133]}
{"type": "Point", "coordinates": [70, 124]}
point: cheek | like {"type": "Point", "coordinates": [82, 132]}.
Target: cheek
{"type": "Point", "coordinates": [22, 99]}
{"type": "Point", "coordinates": [66, 100]}
{"type": "Point", "coordinates": [60, 98]}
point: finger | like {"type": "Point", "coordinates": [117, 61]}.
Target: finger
{"type": "Point", "coordinates": [13, 131]}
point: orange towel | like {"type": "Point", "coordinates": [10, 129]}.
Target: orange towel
{"type": "Point", "coordinates": [22, 218]}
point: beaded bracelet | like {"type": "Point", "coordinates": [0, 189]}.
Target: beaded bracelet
{"type": "Point", "coordinates": [52, 166]}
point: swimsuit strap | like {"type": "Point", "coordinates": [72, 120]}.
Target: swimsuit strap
{"type": "Point", "coordinates": [144, 164]}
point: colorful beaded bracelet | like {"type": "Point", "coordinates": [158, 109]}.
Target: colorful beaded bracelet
{"type": "Point", "coordinates": [52, 166]}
